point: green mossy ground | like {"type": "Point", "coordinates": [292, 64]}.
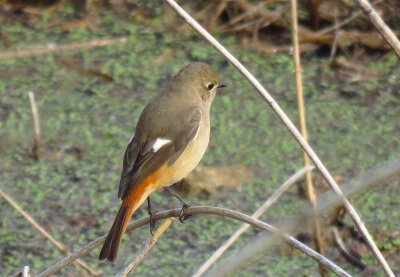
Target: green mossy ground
{"type": "Point", "coordinates": [76, 198]}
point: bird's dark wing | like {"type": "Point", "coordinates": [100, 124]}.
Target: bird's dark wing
{"type": "Point", "coordinates": [141, 160]}
{"type": "Point", "coordinates": [130, 156]}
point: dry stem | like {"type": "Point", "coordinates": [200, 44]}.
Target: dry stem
{"type": "Point", "coordinates": [41, 230]}
{"type": "Point", "coordinates": [53, 48]}
{"type": "Point", "coordinates": [374, 177]}
{"type": "Point", "coordinates": [267, 204]}
{"type": "Point", "coordinates": [346, 21]}
{"type": "Point", "coordinates": [196, 210]}
{"type": "Point", "coordinates": [36, 125]}
{"type": "Point", "coordinates": [318, 240]}
{"type": "Point", "coordinates": [145, 249]}
{"type": "Point", "coordinates": [344, 251]}
{"type": "Point", "coordinates": [327, 201]}
{"type": "Point", "coordinates": [382, 28]}
{"type": "Point", "coordinates": [290, 126]}
{"type": "Point", "coordinates": [24, 272]}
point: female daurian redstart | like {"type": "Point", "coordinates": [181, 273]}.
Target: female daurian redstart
{"type": "Point", "coordinates": [170, 139]}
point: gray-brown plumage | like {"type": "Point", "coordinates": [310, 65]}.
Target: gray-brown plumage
{"type": "Point", "coordinates": [170, 139]}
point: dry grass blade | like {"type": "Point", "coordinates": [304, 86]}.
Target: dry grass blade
{"type": "Point", "coordinates": [36, 126]}
{"type": "Point", "coordinates": [127, 270]}
{"type": "Point", "coordinates": [314, 13]}
{"type": "Point", "coordinates": [41, 230]}
{"type": "Point", "coordinates": [86, 70]}
{"type": "Point", "coordinates": [24, 273]}
{"type": "Point", "coordinates": [291, 127]}
{"type": "Point", "coordinates": [327, 201]}
{"type": "Point", "coordinates": [53, 48]}
{"type": "Point", "coordinates": [270, 201]}
{"type": "Point", "coordinates": [346, 21]}
{"type": "Point", "coordinates": [380, 25]}
{"type": "Point", "coordinates": [318, 240]}
{"type": "Point", "coordinates": [258, 246]}
{"type": "Point", "coordinates": [344, 251]}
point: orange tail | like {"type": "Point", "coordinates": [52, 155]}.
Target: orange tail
{"type": "Point", "coordinates": [111, 245]}
{"type": "Point", "coordinates": [130, 204]}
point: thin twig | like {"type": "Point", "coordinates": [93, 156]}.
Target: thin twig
{"type": "Point", "coordinates": [243, 15]}
{"type": "Point", "coordinates": [328, 200]}
{"type": "Point", "coordinates": [343, 250]}
{"type": "Point", "coordinates": [41, 230]}
{"type": "Point", "coordinates": [334, 47]}
{"type": "Point", "coordinates": [290, 126]}
{"type": "Point", "coordinates": [318, 241]}
{"type": "Point", "coordinates": [145, 249]}
{"type": "Point", "coordinates": [24, 272]}
{"type": "Point", "coordinates": [346, 21]}
{"type": "Point", "coordinates": [52, 48]}
{"type": "Point", "coordinates": [196, 210]}
{"type": "Point", "coordinates": [315, 13]}
{"type": "Point", "coordinates": [36, 125]}
{"type": "Point", "coordinates": [248, 255]}
{"type": "Point", "coordinates": [300, 98]}
{"type": "Point", "coordinates": [374, 177]}
{"type": "Point", "coordinates": [381, 26]}
{"type": "Point", "coordinates": [267, 204]}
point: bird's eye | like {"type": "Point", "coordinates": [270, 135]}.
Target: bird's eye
{"type": "Point", "coordinates": [210, 86]}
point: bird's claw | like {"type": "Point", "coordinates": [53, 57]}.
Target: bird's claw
{"type": "Point", "coordinates": [182, 217]}
{"type": "Point", "coordinates": [152, 224]}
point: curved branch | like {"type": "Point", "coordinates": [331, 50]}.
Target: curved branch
{"type": "Point", "coordinates": [291, 127]}
{"type": "Point", "coordinates": [196, 210]}
{"type": "Point", "coordinates": [267, 204]}
{"type": "Point", "coordinates": [344, 251]}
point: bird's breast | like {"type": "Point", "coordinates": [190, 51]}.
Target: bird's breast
{"type": "Point", "coordinates": [191, 156]}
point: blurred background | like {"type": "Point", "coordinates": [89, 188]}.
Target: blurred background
{"type": "Point", "coordinates": [93, 65]}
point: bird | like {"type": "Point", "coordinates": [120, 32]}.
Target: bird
{"type": "Point", "coordinates": [170, 139]}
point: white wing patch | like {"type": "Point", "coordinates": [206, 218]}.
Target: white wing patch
{"type": "Point", "coordinates": [160, 142]}
{"type": "Point", "coordinates": [131, 138]}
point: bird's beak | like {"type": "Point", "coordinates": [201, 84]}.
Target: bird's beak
{"type": "Point", "coordinates": [221, 86]}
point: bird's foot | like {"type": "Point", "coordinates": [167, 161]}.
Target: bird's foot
{"type": "Point", "coordinates": [152, 222]}
{"type": "Point", "coordinates": [182, 217]}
